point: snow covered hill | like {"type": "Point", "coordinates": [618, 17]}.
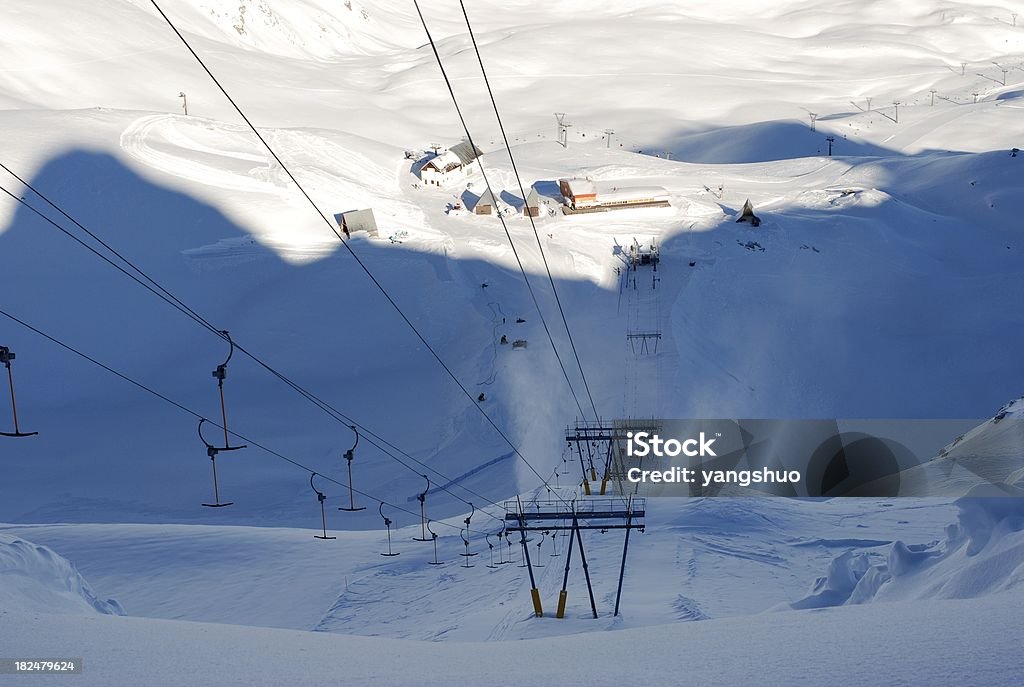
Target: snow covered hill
{"type": "Point", "coordinates": [874, 139]}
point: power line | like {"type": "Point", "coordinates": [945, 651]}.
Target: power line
{"type": "Point", "coordinates": [197, 415]}
{"type": "Point", "coordinates": [351, 252]}
{"type": "Point", "coordinates": [501, 218]}
{"type": "Point", "coordinates": [182, 307]}
{"type": "Point", "coordinates": [522, 190]}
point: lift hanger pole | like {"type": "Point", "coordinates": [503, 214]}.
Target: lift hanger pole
{"type": "Point", "coordinates": [6, 356]}
{"type": "Point", "coordinates": [349, 457]}
{"type": "Point", "coordinates": [433, 537]}
{"type": "Point", "coordinates": [422, 498]}
{"type": "Point", "coordinates": [387, 525]}
{"type": "Point", "coordinates": [320, 497]}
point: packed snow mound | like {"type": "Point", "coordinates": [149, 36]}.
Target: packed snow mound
{"type": "Point", "coordinates": [981, 554]}
{"type": "Point", "coordinates": [35, 579]}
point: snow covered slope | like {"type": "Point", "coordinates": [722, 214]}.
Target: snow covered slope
{"type": "Point", "coordinates": [883, 644]}
{"type": "Point", "coordinates": [699, 559]}
{"type": "Point", "coordinates": [887, 275]}
{"type": "Point", "coordinates": [885, 281]}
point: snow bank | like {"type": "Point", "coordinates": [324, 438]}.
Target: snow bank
{"type": "Point", "coordinates": [35, 579]}
{"type": "Point", "coordinates": [981, 554]}
{"type": "Point", "coordinates": [987, 511]}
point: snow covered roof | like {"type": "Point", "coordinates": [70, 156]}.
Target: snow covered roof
{"type": "Point", "coordinates": [614, 193]}
{"type": "Point", "coordinates": [488, 198]}
{"type": "Point", "coordinates": [471, 200]}
{"type": "Point", "coordinates": [580, 187]}
{"type": "Point", "coordinates": [359, 220]}
{"type": "Point", "coordinates": [533, 198]}
{"type": "Point", "coordinates": [465, 152]}
{"type": "Point", "coordinates": [445, 162]}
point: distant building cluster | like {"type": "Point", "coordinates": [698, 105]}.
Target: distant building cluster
{"type": "Point", "coordinates": [572, 195]}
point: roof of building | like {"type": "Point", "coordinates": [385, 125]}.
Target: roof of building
{"type": "Point", "coordinates": [445, 162]}
{"type": "Point", "coordinates": [465, 152]}
{"type": "Point", "coordinates": [581, 187]}
{"type": "Point", "coordinates": [359, 220]}
{"type": "Point", "coordinates": [472, 200]}
{"type": "Point", "coordinates": [533, 198]}
{"type": "Point", "coordinates": [488, 198]}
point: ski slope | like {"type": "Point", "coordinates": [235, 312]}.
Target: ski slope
{"type": "Point", "coordinates": [885, 281]}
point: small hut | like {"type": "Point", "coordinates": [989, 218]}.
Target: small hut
{"type": "Point", "coordinates": [357, 220]}
{"type": "Point", "coordinates": [486, 204]}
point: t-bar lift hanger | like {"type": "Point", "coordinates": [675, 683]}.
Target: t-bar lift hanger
{"type": "Point", "coordinates": [6, 356]}
{"type": "Point", "coordinates": [321, 497]}
{"type": "Point", "coordinates": [349, 457]}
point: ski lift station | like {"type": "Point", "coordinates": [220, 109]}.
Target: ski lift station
{"type": "Point", "coordinates": [587, 195]}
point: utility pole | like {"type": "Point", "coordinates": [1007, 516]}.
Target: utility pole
{"type": "Point", "coordinates": [932, 91]}
{"type": "Point", "coordinates": [814, 117]}
{"type": "Point", "coordinates": [1014, 15]}
{"type": "Point", "coordinates": [869, 103]}
{"type": "Point", "coordinates": [831, 140]}
{"type": "Point", "coordinates": [975, 94]}
{"type": "Point", "coordinates": [560, 118]}
{"type": "Point", "coordinates": [896, 104]}
{"type": "Point", "coordinates": [608, 141]}
{"type": "Point", "coordinates": [668, 154]}
{"type": "Point", "coordinates": [435, 147]}
{"type": "Point", "coordinates": [963, 68]}
{"type": "Point", "coordinates": [184, 102]}
{"type": "Point", "coordinates": [1004, 71]}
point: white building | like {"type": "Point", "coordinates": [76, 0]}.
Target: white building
{"type": "Point", "coordinates": [587, 195]}
{"type": "Point", "coordinates": [449, 167]}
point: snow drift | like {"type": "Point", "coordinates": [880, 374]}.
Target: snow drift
{"type": "Point", "coordinates": [35, 579]}
{"type": "Point", "coordinates": [981, 554]}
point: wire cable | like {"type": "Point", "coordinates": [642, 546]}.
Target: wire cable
{"type": "Point", "coordinates": [522, 191]}
{"type": "Point", "coordinates": [179, 305]}
{"type": "Point", "coordinates": [350, 250]}
{"type": "Point", "coordinates": [199, 416]}
{"type": "Point", "coordinates": [501, 218]}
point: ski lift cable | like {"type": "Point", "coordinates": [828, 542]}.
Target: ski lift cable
{"type": "Point", "coordinates": [504, 225]}
{"type": "Point", "coordinates": [155, 288]}
{"type": "Point", "coordinates": [374, 439]}
{"type": "Point", "coordinates": [334, 229]}
{"type": "Point", "coordinates": [351, 251]}
{"type": "Point", "coordinates": [522, 190]}
{"type": "Point", "coordinates": [200, 417]}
